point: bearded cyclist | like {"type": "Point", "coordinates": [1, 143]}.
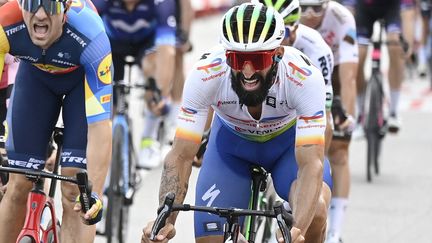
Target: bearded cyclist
{"type": "Point", "coordinates": [269, 102]}
{"type": "Point", "coordinates": [65, 64]}
{"type": "Point", "coordinates": [337, 26]}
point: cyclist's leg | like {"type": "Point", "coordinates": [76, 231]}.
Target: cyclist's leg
{"type": "Point", "coordinates": [29, 129]}
{"type": "Point", "coordinates": [224, 181]}
{"type": "Point", "coordinates": [364, 24]}
{"type": "Point", "coordinates": [284, 175]}
{"type": "Point", "coordinates": [73, 159]}
{"type": "Point", "coordinates": [397, 62]}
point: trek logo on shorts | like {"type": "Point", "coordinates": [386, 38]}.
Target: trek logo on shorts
{"type": "Point", "coordinates": [31, 164]}
{"type": "Point", "coordinates": [68, 158]}
{"type": "Point", "coordinates": [212, 226]}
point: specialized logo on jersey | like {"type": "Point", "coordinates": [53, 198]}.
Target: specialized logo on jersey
{"type": "Point", "coordinates": [104, 70]}
{"type": "Point", "coordinates": [54, 69]}
{"type": "Point", "coordinates": [316, 118]}
{"type": "Point", "coordinates": [214, 66]}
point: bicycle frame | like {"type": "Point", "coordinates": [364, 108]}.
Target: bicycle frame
{"type": "Point", "coordinates": [37, 200]}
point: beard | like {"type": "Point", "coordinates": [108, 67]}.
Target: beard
{"type": "Point", "coordinates": [256, 97]}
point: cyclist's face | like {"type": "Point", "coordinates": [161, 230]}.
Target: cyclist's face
{"type": "Point", "coordinates": [313, 15]}
{"type": "Point", "coordinates": [43, 28]}
{"type": "Point", "coordinates": [252, 86]}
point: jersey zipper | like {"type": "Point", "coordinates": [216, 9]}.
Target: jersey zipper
{"type": "Point", "coordinates": [43, 55]}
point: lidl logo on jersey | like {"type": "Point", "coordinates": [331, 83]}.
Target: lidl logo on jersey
{"type": "Point", "coordinates": [104, 70]}
{"type": "Point", "coordinates": [214, 66]}
{"type": "Point", "coordinates": [316, 118]}
{"type": "Point", "coordinates": [299, 72]}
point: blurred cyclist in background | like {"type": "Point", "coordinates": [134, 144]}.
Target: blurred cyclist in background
{"type": "Point", "coordinates": [145, 30]}
{"type": "Point", "coordinates": [337, 26]}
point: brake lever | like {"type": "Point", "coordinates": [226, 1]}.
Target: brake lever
{"type": "Point", "coordinates": [284, 220]}
{"type": "Point", "coordinates": [164, 212]}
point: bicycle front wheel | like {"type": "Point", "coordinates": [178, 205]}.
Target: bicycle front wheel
{"type": "Point", "coordinates": [374, 122]}
{"type": "Point", "coordinates": [115, 227]}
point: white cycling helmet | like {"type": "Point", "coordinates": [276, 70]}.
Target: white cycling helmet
{"type": "Point", "coordinates": [289, 9]}
{"type": "Point", "coordinates": [313, 2]}
{"type": "Point", "coordinates": [252, 27]}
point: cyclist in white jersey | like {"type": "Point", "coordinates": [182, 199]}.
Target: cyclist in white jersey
{"type": "Point", "coordinates": [269, 102]}
{"type": "Point", "coordinates": [337, 26]}
{"type": "Point", "coordinates": [310, 42]}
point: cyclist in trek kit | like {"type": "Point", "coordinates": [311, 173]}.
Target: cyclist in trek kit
{"type": "Point", "coordinates": [366, 13]}
{"type": "Point", "coordinates": [269, 102]}
{"type": "Point", "coordinates": [65, 63]}
{"type": "Point", "coordinates": [337, 26]}
{"type": "Point", "coordinates": [146, 30]}
{"type": "Point", "coordinates": [310, 42]}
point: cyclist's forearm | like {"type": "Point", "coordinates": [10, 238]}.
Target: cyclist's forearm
{"type": "Point", "coordinates": [165, 61]}
{"type": "Point", "coordinates": [348, 74]}
{"type": "Point", "coordinates": [99, 149]}
{"type": "Point", "coordinates": [175, 178]}
{"type": "Point", "coordinates": [308, 186]}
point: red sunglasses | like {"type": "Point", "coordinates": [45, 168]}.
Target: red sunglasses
{"type": "Point", "coordinates": [260, 60]}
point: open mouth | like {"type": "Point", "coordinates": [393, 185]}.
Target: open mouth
{"type": "Point", "coordinates": [250, 84]}
{"type": "Point", "coordinates": [40, 30]}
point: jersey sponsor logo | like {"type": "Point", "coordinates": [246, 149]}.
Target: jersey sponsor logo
{"type": "Point", "coordinates": [298, 72]}
{"type": "Point", "coordinates": [28, 58]}
{"type": "Point", "coordinates": [324, 70]}
{"type": "Point", "coordinates": [32, 163]}
{"type": "Point", "coordinates": [15, 29]}
{"type": "Point", "coordinates": [54, 69]}
{"type": "Point", "coordinates": [76, 37]}
{"type": "Point", "coordinates": [204, 56]}
{"type": "Point", "coordinates": [171, 21]}
{"type": "Point", "coordinates": [271, 101]}
{"type": "Point", "coordinates": [104, 70]}
{"type": "Point", "coordinates": [329, 38]}
{"type": "Point", "coordinates": [77, 5]}
{"type": "Point", "coordinates": [215, 66]}
{"type": "Point", "coordinates": [63, 62]}
{"type": "Point", "coordinates": [188, 111]}
{"type": "Point", "coordinates": [105, 99]}
{"type": "Point", "coordinates": [210, 195]}
{"type": "Point", "coordinates": [316, 118]}
{"type": "Point", "coordinates": [226, 102]}
{"type": "Point", "coordinates": [213, 76]}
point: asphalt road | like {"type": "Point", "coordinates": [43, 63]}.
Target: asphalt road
{"type": "Point", "coordinates": [395, 208]}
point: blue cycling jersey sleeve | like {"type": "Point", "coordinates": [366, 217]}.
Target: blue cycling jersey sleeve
{"type": "Point", "coordinates": [95, 58]}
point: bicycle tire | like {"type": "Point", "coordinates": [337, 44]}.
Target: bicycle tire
{"type": "Point", "coordinates": [373, 123]}
{"type": "Point", "coordinates": [50, 238]}
{"type": "Point", "coordinates": [114, 225]}
{"type": "Point", "coordinates": [27, 239]}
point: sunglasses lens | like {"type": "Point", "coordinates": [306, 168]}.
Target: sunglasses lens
{"type": "Point", "coordinates": [317, 10]}
{"type": "Point", "coordinates": [51, 7]}
{"type": "Point", "coordinates": [259, 60]}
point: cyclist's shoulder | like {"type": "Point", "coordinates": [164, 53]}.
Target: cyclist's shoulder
{"type": "Point", "coordinates": [339, 16]}
{"type": "Point", "coordinates": [210, 68]}
{"type": "Point", "coordinates": [310, 39]}
{"type": "Point", "coordinates": [83, 17]}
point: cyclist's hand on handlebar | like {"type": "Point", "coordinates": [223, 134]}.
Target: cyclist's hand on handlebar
{"type": "Point", "coordinates": [296, 236]}
{"type": "Point", "coordinates": [165, 234]}
{"type": "Point", "coordinates": [94, 214]}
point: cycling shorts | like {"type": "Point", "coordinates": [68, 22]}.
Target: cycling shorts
{"type": "Point", "coordinates": [367, 14]}
{"type": "Point", "coordinates": [225, 179]}
{"type": "Point", "coordinates": [37, 98]}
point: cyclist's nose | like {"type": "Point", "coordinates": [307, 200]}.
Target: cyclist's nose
{"type": "Point", "coordinates": [248, 70]}
{"type": "Point", "coordinates": [41, 13]}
